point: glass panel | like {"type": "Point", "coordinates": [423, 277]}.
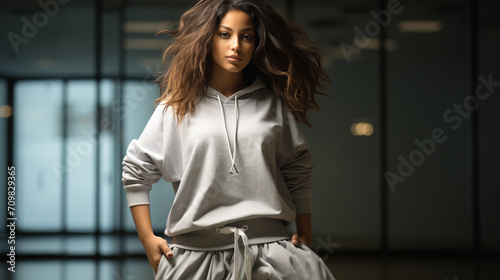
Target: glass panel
{"type": "Point", "coordinates": [47, 38]}
{"type": "Point", "coordinates": [38, 154]}
{"type": "Point", "coordinates": [5, 113]}
{"type": "Point", "coordinates": [136, 269]}
{"type": "Point", "coordinates": [345, 165]}
{"type": "Point", "coordinates": [110, 39]}
{"type": "Point", "coordinates": [71, 269]}
{"type": "Point", "coordinates": [80, 245]}
{"type": "Point", "coordinates": [428, 151]}
{"type": "Point", "coordinates": [80, 156]}
{"type": "Point", "coordinates": [109, 190]}
{"type": "Point", "coordinates": [109, 245]}
{"type": "Point", "coordinates": [132, 245]}
{"type": "Point", "coordinates": [40, 245]}
{"type": "Point", "coordinates": [489, 114]}
{"type": "Point", "coordinates": [80, 270]}
{"type": "Point", "coordinates": [142, 48]}
{"type": "Point", "coordinates": [37, 269]}
{"type": "Point", "coordinates": [139, 97]}
{"type": "Point", "coordinates": [57, 245]}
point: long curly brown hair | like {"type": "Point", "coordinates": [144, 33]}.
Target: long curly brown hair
{"type": "Point", "coordinates": [284, 56]}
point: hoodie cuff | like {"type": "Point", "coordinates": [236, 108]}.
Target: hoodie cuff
{"type": "Point", "coordinates": [303, 205]}
{"type": "Point", "coordinates": [137, 196]}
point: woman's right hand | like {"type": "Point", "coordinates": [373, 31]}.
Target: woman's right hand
{"type": "Point", "coordinates": [155, 247]}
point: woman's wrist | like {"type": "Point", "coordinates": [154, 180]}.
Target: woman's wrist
{"type": "Point", "coordinates": [303, 224]}
{"type": "Point", "coordinates": [146, 236]}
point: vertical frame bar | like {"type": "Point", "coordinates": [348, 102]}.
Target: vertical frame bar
{"type": "Point", "coordinates": [98, 64]}
{"type": "Point", "coordinates": [119, 125]}
{"type": "Point", "coordinates": [64, 177]}
{"type": "Point", "coordinates": [97, 72]}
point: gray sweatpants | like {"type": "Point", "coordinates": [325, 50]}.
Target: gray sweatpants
{"type": "Point", "coordinates": [268, 261]}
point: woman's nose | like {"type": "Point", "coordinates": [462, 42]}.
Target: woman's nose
{"type": "Point", "coordinates": [235, 46]}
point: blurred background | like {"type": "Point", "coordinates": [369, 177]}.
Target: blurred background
{"type": "Point", "coordinates": [405, 147]}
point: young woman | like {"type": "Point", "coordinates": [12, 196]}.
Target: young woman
{"type": "Point", "coordinates": [226, 135]}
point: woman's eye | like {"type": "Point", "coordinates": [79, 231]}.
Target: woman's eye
{"type": "Point", "coordinates": [224, 34]}
{"type": "Point", "coordinates": [247, 37]}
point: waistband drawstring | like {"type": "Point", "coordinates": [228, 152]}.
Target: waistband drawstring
{"type": "Point", "coordinates": [239, 232]}
{"type": "Point", "coordinates": [233, 154]}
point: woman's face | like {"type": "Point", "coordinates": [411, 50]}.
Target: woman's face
{"type": "Point", "coordinates": [234, 42]}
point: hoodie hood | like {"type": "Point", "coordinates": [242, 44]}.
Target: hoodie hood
{"type": "Point", "coordinates": [257, 84]}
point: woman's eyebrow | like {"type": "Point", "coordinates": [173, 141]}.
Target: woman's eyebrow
{"type": "Point", "coordinates": [246, 29]}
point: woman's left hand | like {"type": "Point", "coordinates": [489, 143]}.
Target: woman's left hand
{"type": "Point", "coordinates": [302, 239]}
{"type": "Point", "coordinates": [303, 235]}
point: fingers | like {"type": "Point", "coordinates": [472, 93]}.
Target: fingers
{"type": "Point", "coordinates": [166, 250]}
{"type": "Point", "coordinates": [303, 240]}
{"type": "Point", "coordinates": [156, 252]}
{"type": "Point", "coordinates": [296, 239]}
{"type": "Point", "coordinates": [154, 265]}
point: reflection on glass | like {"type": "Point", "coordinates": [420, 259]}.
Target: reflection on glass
{"type": "Point", "coordinates": [420, 26]}
{"type": "Point", "coordinates": [362, 129]}
{"type": "Point", "coordinates": [108, 190]}
{"type": "Point", "coordinates": [5, 111]}
{"type": "Point", "coordinates": [38, 154]}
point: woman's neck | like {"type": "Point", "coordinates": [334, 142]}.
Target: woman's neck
{"type": "Point", "coordinates": [226, 83]}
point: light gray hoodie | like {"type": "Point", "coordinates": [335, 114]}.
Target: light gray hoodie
{"type": "Point", "coordinates": [236, 160]}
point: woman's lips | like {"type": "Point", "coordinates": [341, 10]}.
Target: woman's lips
{"type": "Point", "coordinates": [233, 58]}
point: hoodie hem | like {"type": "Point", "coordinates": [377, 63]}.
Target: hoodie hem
{"type": "Point", "coordinates": [260, 230]}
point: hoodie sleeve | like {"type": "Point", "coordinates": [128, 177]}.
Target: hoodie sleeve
{"type": "Point", "coordinates": [296, 166]}
{"type": "Point", "coordinates": [143, 161]}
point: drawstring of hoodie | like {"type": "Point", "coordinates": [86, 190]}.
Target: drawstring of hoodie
{"type": "Point", "coordinates": [232, 155]}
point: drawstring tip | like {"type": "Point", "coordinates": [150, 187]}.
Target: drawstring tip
{"type": "Point", "coordinates": [233, 167]}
